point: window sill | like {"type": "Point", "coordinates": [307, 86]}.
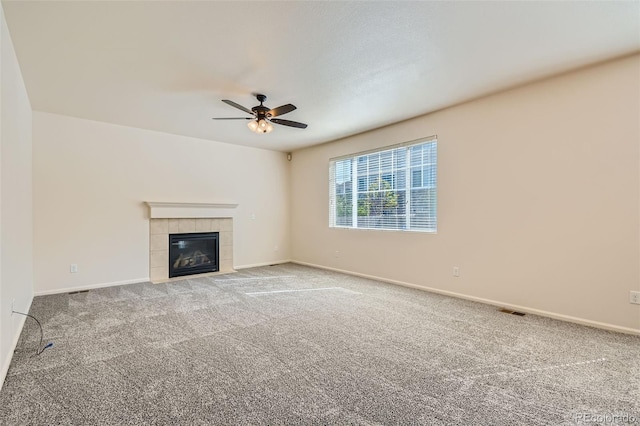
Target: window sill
{"type": "Point", "coordinates": [412, 231]}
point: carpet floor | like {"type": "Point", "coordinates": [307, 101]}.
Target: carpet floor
{"type": "Point", "coordinates": [289, 344]}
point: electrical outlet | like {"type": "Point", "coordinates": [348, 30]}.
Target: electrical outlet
{"type": "Point", "coordinates": [337, 254]}
{"type": "Point", "coordinates": [275, 248]}
{"type": "Point", "coordinates": [635, 297]}
{"type": "Point", "coordinates": [456, 271]}
{"type": "Point", "coordinates": [73, 268]}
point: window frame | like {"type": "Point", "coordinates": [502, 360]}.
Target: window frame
{"type": "Point", "coordinates": [405, 193]}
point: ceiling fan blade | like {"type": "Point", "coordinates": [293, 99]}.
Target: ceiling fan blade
{"type": "Point", "coordinates": [282, 110]}
{"type": "Point", "coordinates": [235, 105]}
{"type": "Point", "coordinates": [289, 123]}
{"type": "Point", "coordinates": [232, 118]}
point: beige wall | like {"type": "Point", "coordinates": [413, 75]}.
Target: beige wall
{"type": "Point", "coordinates": [16, 229]}
{"type": "Point", "coordinates": [91, 179]}
{"type": "Point", "coordinates": [538, 199]}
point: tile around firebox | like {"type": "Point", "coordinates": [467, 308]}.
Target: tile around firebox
{"type": "Point", "coordinates": [159, 258]}
{"type": "Point", "coordinates": [203, 225]}
{"type": "Point", "coordinates": [159, 242]}
{"type": "Point", "coordinates": [226, 253]}
{"type": "Point", "coordinates": [173, 226]}
{"type": "Point", "coordinates": [186, 225]}
{"type": "Point", "coordinates": [226, 265]}
{"type": "Point", "coordinates": [159, 273]}
{"type": "Point", "coordinates": [159, 226]}
{"type": "Point", "coordinates": [226, 239]}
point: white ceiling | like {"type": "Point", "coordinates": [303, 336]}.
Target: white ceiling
{"type": "Point", "coordinates": [347, 66]}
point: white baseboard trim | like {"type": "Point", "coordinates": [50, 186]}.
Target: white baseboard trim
{"type": "Point", "coordinates": [255, 265]}
{"type": "Point", "coordinates": [561, 317]}
{"type": "Point", "coordinates": [7, 363]}
{"type": "Point", "coordinates": [91, 286]}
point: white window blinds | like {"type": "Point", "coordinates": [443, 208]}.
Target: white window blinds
{"type": "Point", "coordinates": [394, 188]}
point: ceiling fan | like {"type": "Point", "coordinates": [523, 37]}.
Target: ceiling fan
{"type": "Point", "coordinates": [262, 116]}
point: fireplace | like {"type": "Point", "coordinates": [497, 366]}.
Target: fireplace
{"type": "Point", "coordinates": [193, 253]}
{"type": "Point", "coordinates": [161, 228]}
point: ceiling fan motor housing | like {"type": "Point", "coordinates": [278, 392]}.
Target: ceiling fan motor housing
{"type": "Point", "coordinates": [261, 111]}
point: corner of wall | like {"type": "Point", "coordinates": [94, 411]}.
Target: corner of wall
{"type": "Point", "coordinates": [16, 200]}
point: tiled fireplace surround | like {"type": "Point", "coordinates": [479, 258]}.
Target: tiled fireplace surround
{"type": "Point", "coordinates": [161, 227]}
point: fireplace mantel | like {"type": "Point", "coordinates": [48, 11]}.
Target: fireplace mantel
{"type": "Point", "coordinates": [164, 210]}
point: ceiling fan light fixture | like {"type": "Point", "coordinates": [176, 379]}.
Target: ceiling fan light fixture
{"type": "Point", "coordinates": [260, 126]}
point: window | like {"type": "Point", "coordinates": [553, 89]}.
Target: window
{"type": "Point", "coordinates": [394, 188]}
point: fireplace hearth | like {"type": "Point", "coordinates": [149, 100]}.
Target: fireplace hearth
{"type": "Point", "coordinates": [193, 253]}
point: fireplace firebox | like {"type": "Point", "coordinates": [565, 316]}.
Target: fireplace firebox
{"type": "Point", "coordinates": [194, 253]}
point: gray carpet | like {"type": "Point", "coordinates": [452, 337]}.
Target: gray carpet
{"type": "Point", "coordinates": [295, 345]}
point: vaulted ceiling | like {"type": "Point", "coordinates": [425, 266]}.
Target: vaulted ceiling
{"type": "Point", "coordinates": [347, 66]}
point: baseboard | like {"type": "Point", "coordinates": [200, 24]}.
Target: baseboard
{"type": "Point", "coordinates": [561, 317]}
{"type": "Point", "coordinates": [91, 286]}
{"type": "Point", "coordinates": [255, 265]}
{"type": "Point", "coordinates": [5, 367]}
